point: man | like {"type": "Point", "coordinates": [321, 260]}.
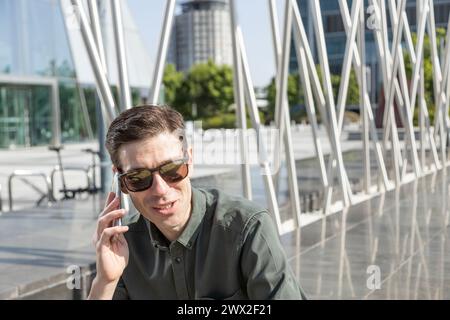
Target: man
{"type": "Point", "coordinates": [187, 243]}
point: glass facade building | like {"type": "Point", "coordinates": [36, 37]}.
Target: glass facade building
{"type": "Point", "coordinates": [335, 36]}
{"type": "Point", "coordinates": [34, 52]}
{"type": "Point", "coordinates": [47, 88]}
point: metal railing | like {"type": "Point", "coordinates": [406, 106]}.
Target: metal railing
{"type": "Point", "coordinates": [22, 174]}
{"type": "Point", "coordinates": [84, 170]}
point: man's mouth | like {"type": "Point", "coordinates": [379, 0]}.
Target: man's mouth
{"type": "Point", "coordinates": [165, 206]}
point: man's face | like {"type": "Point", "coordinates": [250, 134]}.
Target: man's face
{"type": "Point", "coordinates": [167, 205]}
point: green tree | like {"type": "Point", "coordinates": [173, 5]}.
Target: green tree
{"type": "Point", "coordinates": [172, 81]}
{"type": "Point", "coordinates": [296, 94]}
{"type": "Point", "coordinates": [206, 90]}
{"type": "Point", "coordinates": [353, 88]}
{"type": "Point", "coordinates": [209, 87]}
{"type": "Point", "coordinates": [427, 70]}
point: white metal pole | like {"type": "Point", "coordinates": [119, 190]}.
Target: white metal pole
{"type": "Point", "coordinates": [262, 151]}
{"type": "Point", "coordinates": [316, 86]}
{"type": "Point", "coordinates": [239, 99]}
{"type": "Point", "coordinates": [108, 104]}
{"type": "Point", "coordinates": [362, 94]}
{"type": "Point", "coordinates": [330, 101]}
{"type": "Point", "coordinates": [281, 101]}
{"type": "Point", "coordinates": [421, 17]}
{"type": "Point", "coordinates": [164, 38]}
{"type": "Point", "coordinates": [97, 31]}
{"type": "Point", "coordinates": [282, 61]}
{"type": "Point", "coordinates": [123, 87]}
{"type": "Point", "coordinates": [306, 85]}
{"type": "Point", "coordinates": [347, 63]}
{"type": "Point", "coordinates": [367, 105]}
{"type": "Point", "coordinates": [385, 58]}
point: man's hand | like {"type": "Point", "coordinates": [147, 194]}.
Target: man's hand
{"type": "Point", "coordinates": [111, 249]}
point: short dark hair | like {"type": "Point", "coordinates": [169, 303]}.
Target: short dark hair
{"type": "Point", "coordinates": [138, 123]}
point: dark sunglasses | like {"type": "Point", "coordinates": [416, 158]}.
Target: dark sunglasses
{"type": "Point", "coordinates": [141, 179]}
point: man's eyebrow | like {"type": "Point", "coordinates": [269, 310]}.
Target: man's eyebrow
{"type": "Point", "coordinates": [159, 165]}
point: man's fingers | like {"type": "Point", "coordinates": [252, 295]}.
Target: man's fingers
{"type": "Point", "coordinates": [121, 239]}
{"type": "Point", "coordinates": [108, 233]}
{"type": "Point", "coordinates": [106, 220]}
{"type": "Point", "coordinates": [112, 205]}
{"type": "Point", "coordinates": [108, 214]}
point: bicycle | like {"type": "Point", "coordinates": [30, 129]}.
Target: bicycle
{"type": "Point", "coordinates": [71, 193]}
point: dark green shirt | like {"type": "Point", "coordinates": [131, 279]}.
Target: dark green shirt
{"type": "Point", "coordinates": [228, 250]}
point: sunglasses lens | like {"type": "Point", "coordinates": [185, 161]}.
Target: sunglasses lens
{"type": "Point", "coordinates": [138, 180]}
{"type": "Point", "coordinates": [174, 171]}
{"type": "Point", "coordinates": [141, 179]}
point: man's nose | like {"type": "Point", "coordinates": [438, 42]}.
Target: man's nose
{"type": "Point", "coordinates": [159, 186]}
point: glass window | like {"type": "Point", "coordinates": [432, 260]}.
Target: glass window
{"type": "Point", "coordinates": [73, 124]}
{"type": "Point", "coordinates": [32, 38]}
{"type": "Point", "coordinates": [25, 115]}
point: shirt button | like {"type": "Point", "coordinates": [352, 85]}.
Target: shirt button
{"type": "Point", "coordinates": [177, 259]}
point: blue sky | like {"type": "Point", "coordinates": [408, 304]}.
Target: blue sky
{"type": "Point", "coordinates": [253, 16]}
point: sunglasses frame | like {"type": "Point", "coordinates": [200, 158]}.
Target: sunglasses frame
{"type": "Point", "coordinates": [157, 169]}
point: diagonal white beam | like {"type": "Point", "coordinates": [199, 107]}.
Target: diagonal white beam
{"type": "Point", "coordinates": [408, 38]}
{"type": "Point", "coordinates": [281, 57]}
{"type": "Point", "coordinates": [108, 104]}
{"type": "Point", "coordinates": [316, 86]}
{"type": "Point", "coordinates": [419, 54]}
{"type": "Point", "coordinates": [384, 57]}
{"type": "Point", "coordinates": [256, 122]}
{"type": "Point", "coordinates": [306, 85]}
{"type": "Point", "coordinates": [347, 63]}
{"type": "Point", "coordinates": [239, 97]}
{"type": "Point", "coordinates": [366, 101]}
{"type": "Point", "coordinates": [124, 86]}
{"type": "Point", "coordinates": [164, 38]}
{"type": "Point", "coordinates": [330, 101]}
{"type": "Point", "coordinates": [342, 96]}
{"type": "Point", "coordinates": [390, 118]}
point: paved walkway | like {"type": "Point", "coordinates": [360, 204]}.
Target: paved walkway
{"type": "Point", "coordinates": [37, 246]}
{"type": "Point", "coordinates": [395, 246]}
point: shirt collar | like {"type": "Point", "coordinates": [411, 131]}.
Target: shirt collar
{"type": "Point", "coordinates": [190, 232]}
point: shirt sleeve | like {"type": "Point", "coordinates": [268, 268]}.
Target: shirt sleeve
{"type": "Point", "coordinates": [121, 292]}
{"type": "Point", "coordinates": [264, 265]}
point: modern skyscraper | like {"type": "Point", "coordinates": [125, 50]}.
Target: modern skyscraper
{"type": "Point", "coordinates": [201, 32]}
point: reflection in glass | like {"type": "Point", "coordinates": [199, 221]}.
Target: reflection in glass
{"type": "Point", "coordinates": [25, 115]}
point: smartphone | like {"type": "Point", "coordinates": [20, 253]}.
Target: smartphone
{"type": "Point", "coordinates": [118, 192]}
